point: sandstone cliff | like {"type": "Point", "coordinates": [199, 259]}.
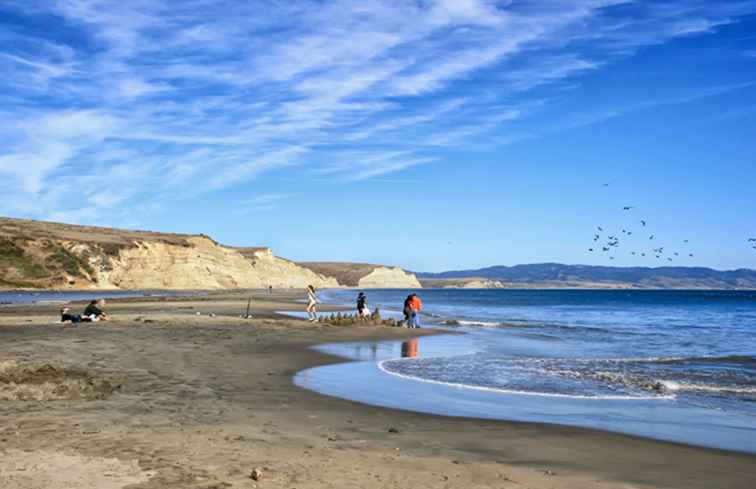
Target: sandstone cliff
{"type": "Point", "coordinates": [49, 255]}
{"type": "Point", "coordinates": [364, 275]}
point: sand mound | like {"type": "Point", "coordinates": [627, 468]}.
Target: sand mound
{"type": "Point", "coordinates": [49, 383]}
{"type": "Point", "coordinates": [52, 470]}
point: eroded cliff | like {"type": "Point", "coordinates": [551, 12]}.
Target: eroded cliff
{"type": "Point", "coordinates": [49, 255]}
{"type": "Point", "coordinates": [364, 275]}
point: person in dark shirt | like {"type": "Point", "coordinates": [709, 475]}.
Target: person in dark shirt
{"type": "Point", "coordinates": [94, 311]}
{"type": "Point", "coordinates": [67, 317]}
{"type": "Point", "coordinates": [362, 307]}
{"type": "Point", "coordinates": [407, 310]}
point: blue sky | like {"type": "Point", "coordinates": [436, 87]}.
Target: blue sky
{"type": "Point", "coordinates": [427, 134]}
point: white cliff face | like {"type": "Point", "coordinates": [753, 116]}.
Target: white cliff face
{"type": "Point", "coordinates": [389, 278]}
{"type": "Point", "coordinates": [201, 265]}
{"type": "Point", "coordinates": [35, 254]}
{"type": "Point", "coordinates": [282, 273]}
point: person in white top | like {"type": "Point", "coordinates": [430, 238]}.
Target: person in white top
{"type": "Point", "coordinates": [312, 304]}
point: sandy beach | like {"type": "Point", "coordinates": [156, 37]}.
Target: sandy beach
{"type": "Point", "coordinates": [160, 397]}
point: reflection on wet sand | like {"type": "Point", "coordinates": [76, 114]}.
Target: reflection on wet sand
{"type": "Point", "coordinates": [409, 348]}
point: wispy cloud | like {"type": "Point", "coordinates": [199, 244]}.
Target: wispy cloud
{"type": "Point", "coordinates": [131, 100]}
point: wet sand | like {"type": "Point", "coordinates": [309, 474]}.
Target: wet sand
{"type": "Point", "coordinates": [162, 398]}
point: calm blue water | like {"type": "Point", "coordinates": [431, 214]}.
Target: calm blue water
{"type": "Point", "coordinates": [29, 297]}
{"type": "Point", "coordinates": [677, 365]}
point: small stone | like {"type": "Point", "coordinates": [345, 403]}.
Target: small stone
{"type": "Point", "coordinates": [393, 430]}
{"type": "Point", "coordinates": [256, 475]}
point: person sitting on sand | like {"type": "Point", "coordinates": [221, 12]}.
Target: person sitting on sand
{"type": "Point", "coordinates": [312, 304]}
{"type": "Point", "coordinates": [94, 311]}
{"type": "Point", "coordinates": [67, 317]}
{"type": "Point", "coordinates": [416, 305]}
{"type": "Point", "coordinates": [362, 307]}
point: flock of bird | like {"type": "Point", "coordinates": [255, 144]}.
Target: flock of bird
{"type": "Point", "coordinates": [606, 243]}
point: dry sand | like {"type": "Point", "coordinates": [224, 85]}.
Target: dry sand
{"type": "Point", "coordinates": [162, 398]}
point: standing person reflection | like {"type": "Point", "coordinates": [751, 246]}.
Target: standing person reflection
{"type": "Point", "coordinates": [409, 348]}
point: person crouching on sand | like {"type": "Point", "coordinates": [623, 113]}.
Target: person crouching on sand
{"type": "Point", "coordinates": [312, 304]}
{"type": "Point", "coordinates": [415, 305]}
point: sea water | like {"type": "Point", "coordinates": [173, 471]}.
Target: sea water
{"type": "Point", "coordinates": [675, 365]}
{"type": "Point", "coordinates": [34, 297]}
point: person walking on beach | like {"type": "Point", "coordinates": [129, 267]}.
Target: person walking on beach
{"type": "Point", "coordinates": [312, 304]}
{"type": "Point", "coordinates": [415, 305]}
{"type": "Point", "coordinates": [362, 308]}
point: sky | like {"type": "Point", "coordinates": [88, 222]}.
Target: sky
{"type": "Point", "coordinates": [428, 134]}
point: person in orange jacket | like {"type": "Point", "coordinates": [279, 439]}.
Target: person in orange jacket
{"type": "Point", "coordinates": [416, 305]}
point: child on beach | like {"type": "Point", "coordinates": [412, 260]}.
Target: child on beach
{"type": "Point", "coordinates": [407, 310]}
{"type": "Point", "coordinates": [312, 304]}
{"type": "Point", "coordinates": [67, 317]}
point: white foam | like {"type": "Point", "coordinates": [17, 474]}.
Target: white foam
{"type": "Point", "coordinates": [498, 390]}
{"type": "Point", "coordinates": [684, 386]}
{"type": "Point", "coordinates": [486, 324]}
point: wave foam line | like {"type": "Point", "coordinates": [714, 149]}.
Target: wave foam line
{"type": "Point", "coordinates": [383, 369]}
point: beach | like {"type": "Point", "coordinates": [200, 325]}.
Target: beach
{"type": "Point", "coordinates": [160, 397]}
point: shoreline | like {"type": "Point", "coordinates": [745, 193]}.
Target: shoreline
{"type": "Point", "coordinates": [524, 287]}
{"type": "Point", "coordinates": [207, 399]}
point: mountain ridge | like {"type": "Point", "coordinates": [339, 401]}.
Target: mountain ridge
{"type": "Point", "coordinates": [596, 276]}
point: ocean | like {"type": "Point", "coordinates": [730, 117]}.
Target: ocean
{"type": "Point", "coordinates": [672, 365]}
{"type": "Point", "coordinates": [34, 297]}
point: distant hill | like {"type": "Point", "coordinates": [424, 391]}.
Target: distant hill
{"type": "Point", "coordinates": [559, 275]}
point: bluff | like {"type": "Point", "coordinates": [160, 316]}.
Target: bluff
{"type": "Point", "coordinates": [365, 275]}
{"type": "Point", "coordinates": [37, 254]}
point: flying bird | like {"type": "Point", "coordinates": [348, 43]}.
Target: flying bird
{"type": "Point", "coordinates": [685, 241]}
{"type": "Point", "coordinates": [751, 240]}
{"type": "Point", "coordinates": [632, 253]}
{"type": "Point", "coordinates": [628, 207]}
{"type": "Point", "coordinates": [691, 255]}
{"type": "Point", "coordinates": [643, 223]}
{"type": "Point", "coordinates": [601, 229]}
{"type": "Point", "coordinates": [643, 254]}
{"type": "Point", "coordinates": [590, 249]}
{"type": "Point", "coordinates": [670, 259]}
{"type": "Point", "coordinates": [651, 237]}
